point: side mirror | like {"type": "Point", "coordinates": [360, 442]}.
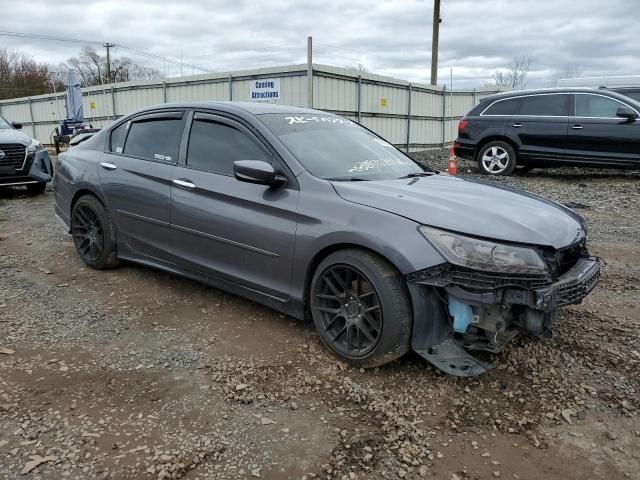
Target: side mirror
{"type": "Point", "coordinates": [257, 171]}
{"type": "Point", "coordinates": [626, 112]}
{"type": "Point", "coordinates": [17, 125]}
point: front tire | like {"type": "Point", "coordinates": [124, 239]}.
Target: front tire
{"type": "Point", "coordinates": [93, 233]}
{"type": "Point", "coordinates": [361, 308]}
{"type": "Point", "coordinates": [497, 158]}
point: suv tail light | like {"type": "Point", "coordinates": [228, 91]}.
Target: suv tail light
{"type": "Point", "coordinates": [462, 126]}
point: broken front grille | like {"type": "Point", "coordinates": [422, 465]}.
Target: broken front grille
{"type": "Point", "coordinates": [574, 290]}
{"type": "Point", "coordinates": [12, 156]}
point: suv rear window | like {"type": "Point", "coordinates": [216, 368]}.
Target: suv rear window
{"type": "Point", "coordinates": [545, 105]}
{"type": "Point", "coordinates": [155, 139]}
{"type": "Point", "coordinates": [508, 106]}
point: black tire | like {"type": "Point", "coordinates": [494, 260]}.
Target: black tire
{"type": "Point", "coordinates": [390, 324]}
{"type": "Point", "coordinates": [36, 188]}
{"type": "Point", "coordinates": [496, 158]}
{"type": "Point", "coordinates": [93, 233]}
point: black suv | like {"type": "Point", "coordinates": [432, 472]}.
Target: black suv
{"type": "Point", "coordinates": [551, 127]}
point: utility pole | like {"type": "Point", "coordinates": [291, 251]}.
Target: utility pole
{"type": "Point", "coordinates": [108, 46]}
{"type": "Point", "coordinates": [434, 42]}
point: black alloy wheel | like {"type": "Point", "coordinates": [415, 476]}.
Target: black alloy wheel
{"type": "Point", "coordinates": [88, 233]}
{"type": "Point", "coordinates": [93, 233]}
{"type": "Point", "coordinates": [349, 310]}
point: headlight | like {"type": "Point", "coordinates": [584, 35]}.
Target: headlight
{"type": "Point", "coordinates": [35, 146]}
{"type": "Point", "coordinates": [484, 255]}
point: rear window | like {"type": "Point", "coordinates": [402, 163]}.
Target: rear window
{"type": "Point", "coordinates": [545, 105]}
{"type": "Point", "coordinates": [508, 106]}
{"type": "Point", "coordinates": [156, 139]}
{"type": "Point", "coordinates": [118, 135]}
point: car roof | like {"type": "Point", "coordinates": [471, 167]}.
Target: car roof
{"type": "Point", "coordinates": [537, 91]}
{"type": "Point", "coordinates": [253, 108]}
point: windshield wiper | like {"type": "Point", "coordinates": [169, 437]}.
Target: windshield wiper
{"type": "Point", "coordinates": [418, 174]}
{"type": "Point", "coordinates": [348, 179]}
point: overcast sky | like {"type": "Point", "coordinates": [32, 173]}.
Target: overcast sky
{"type": "Point", "coordinates": [389, 37]}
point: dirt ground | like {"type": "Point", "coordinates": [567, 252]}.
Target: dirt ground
{"type": "Point", "coordinates": [133, 373]}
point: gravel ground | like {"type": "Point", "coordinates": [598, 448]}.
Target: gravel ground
{"type": "Point", "coordinates": [133, 373]}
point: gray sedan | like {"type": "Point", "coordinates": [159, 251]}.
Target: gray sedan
{"type": "Point", "coordinates": [315, 216]}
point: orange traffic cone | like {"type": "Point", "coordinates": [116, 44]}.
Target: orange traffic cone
{"type": "Point", "coordinates": [451, 168]}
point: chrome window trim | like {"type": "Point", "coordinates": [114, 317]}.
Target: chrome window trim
{"type": "Point", "coordinates": [482, 114]}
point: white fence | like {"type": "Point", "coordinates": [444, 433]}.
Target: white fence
{"type": "Point", "coordinates": [411, 116]}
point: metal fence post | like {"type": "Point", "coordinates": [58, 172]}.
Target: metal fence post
{"type": "Point", "coordinates": [359, 99]}
{"type": "Point", "coordinates": [309, 72]}
{"type": "Point", "coordinates": [164, 91]}
{"type": "Point", "coordinates": [33, 127]}
{"type": "Point", "coordinates": [444, 112]}
{"type": "Point", "coordinates": [408, 117]}
{"type": "Point", "coordinates": [473, 96]}
{"type": "Point", "coordinates": [113, 102]}
{"type": "Point", "coordinates": [230, 86]}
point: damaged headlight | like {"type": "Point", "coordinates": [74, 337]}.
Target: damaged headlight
{"type": "Point", "coordinates": [34, 146]}
{"type": "Point", "coordinates": [484, 255]}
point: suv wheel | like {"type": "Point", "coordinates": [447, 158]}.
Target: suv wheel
{"type": "Point", "coordinates": [361, 308]}
{"type": "Point", "coordinates": [497, 158]}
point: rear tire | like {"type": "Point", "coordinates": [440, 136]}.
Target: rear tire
{"type": "Point", "coordinates": [93, 233]}
{"type": "Point", "coordinates": [36, 188]}
{"type": "Point", "coordinates": [497, 158]}
{"type": "Point", "coordinates": [361, 308]}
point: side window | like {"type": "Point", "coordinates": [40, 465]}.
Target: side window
{"type": "Point", "coordinates": [596, 106]}
{"type": "Point", "coordinates": [504, 107]}
{"type": "Point", "coordinates": [545, 105]}
{"type": "Point", "coordinates": [214, 147]}
{"type": "Point", "coordinates": [118, 135]}
{"type": "Point", "coordinates": [155, 139]}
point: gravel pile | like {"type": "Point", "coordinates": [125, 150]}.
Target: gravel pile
{"type": "Point", "coordinates": [133, 373]}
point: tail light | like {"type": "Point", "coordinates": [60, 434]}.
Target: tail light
{"type": "Point", "coordinates": [462, 126]}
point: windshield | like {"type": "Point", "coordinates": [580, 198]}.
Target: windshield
{"type": "Point", "coordinates": [335, 148]}
{"type": "Point", "coordinates": [4, 123]}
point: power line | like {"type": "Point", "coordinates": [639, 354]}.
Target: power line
{"type": "Point", "coordinates": [47, 37]}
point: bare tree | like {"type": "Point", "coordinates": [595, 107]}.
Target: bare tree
{"type": "Point", "coordinates": [568, 71]}
{"type": "Point", "coordinates": [513, 76]}
{"type": "Point", "coordinates": [21, 75]}
{"type": "Point", "coordinates": [92, 68]}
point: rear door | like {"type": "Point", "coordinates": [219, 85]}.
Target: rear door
{"type": "Point", "coordinates": [540, 127]}
{"type": "Point", "coordinates": [135, 176]}
{"type": "Point", "coordinates": [598, 136]}
{"type": "Point", "coordinates": [237, 231]}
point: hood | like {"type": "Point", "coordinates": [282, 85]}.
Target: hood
{"type": "Point", "coordinates": [9, 135]}
{"type": "Point", "coordinates": [470, 207]}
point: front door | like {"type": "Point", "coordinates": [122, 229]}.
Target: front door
{"type": "Point", "coordinates": [598, 136]}
{"type": "Point", "coordinates": [135, 176]}
{"type": "Point", "coordinates": [541, 127]}
{"type": "Point", "coordinates": [239, 232]}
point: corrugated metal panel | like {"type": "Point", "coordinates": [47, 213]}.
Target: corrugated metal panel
{"type": "Point", "coordinates": [335, 93]}
{"type": "Point", "coordinates": [383, 100]}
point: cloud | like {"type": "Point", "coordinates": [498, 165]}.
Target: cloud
{"type": "Point", "coordinates": [391, 37]}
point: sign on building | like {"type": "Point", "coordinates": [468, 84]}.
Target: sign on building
{"type": "Point", "coordinates": [265, 90]}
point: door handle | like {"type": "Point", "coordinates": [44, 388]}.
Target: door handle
{"type": "Point", "coordinates": [517, 125]}
{"type": "Point", "coordinates": [108, 166]}
{"type": "Point", "coordinates": [577, 127]}
{"type": "Point", "coordinates": [188, 184]}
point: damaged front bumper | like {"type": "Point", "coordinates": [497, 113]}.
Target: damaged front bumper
{"type": "Point", "coordinates": [457, 311]}
{"type": "Point", "coordinates": [37, 169]}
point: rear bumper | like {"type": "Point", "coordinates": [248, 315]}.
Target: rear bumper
{"type": "Point", "coordinates": [464, 151]}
